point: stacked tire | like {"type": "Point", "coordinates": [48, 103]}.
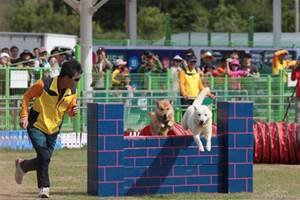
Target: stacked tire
{"type": "Point", "coordinates": [276, 143]}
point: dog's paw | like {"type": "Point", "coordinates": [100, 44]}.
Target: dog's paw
{"type": "Point", "coordinates": [208, 148]}
{"type": "Point", "coordinates": [170, 123]}
{"type": "Point", "coordinates": [201, 149]}
{"type": "Point", "coordinates": [162, 125]}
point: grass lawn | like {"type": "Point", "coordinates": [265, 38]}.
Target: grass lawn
{"type": "Point", "coordinates": [68, 176]}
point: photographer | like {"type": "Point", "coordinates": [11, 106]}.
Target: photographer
{"type": "Point", "coordinates": [295, 76]}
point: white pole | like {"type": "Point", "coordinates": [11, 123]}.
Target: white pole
{"type": "Point", "coordinates": [277, 23]}
{"type": "Point", "coordinates": [86, 42]}
{"type": "Point", "coordinates": [297, 16]}
{"type": "Point", "coordinates": [132, 21]}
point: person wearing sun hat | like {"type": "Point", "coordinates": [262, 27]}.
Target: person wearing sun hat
{"type": "Point", "coordinates": [207, 57]}
{"type": "Point", "coordinates": [235, 73]}
{"type": "Point", "coordinates": [117, 75]}
{"type": "Point", "coordinates": [280, 62]}
{"type": "Point", "coordinates": [174, 71]}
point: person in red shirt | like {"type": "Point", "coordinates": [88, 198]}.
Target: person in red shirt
{"type": "Point", "coordinates": [295, 76]}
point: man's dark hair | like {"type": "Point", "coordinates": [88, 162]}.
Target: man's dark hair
{"type": "Point", "coordinates": [189, 51]}
{"type": "Point", "coordinates": [223, 59]}
{"type": "Point", "coordinates": [55, 49]}
{"type": "Point", "coordinates": [36, 49]}
{"type": "Point", "coordinates": [13, 47]}
{"type": "Point", "coordinates": [234, 51]}
{"type": "Point", "coordinates": [70, 68]}
{"type": "Point", "coordinates": [5, 48]}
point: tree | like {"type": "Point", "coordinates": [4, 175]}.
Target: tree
{"type": "Point", "coordinates": [150, 23]}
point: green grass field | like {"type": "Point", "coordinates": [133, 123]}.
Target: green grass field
{"type": "Point", "coordinates": [68, 176]}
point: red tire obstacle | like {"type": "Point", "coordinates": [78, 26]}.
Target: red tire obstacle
{"type": "Point", "coordinates": [272, 142]}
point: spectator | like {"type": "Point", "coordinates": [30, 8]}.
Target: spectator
{"type": "Point", "coordinates": [295, 76]}
{"type": "Point", "coordinates": [234, 54]}
{"type": "Point", "coordinates": [61, 59]}
{"type": "Point", "coordinates": [36, 52]}
{"type": "Point", "coordinates": [174, 72]}
{"type": "Point", "coordinates": [5, 50]}
{"type": "Point", "coordinates": [55, 51]}
{"type": "Point", "coordinates": [118, 73]}
{"type": "Point", "coordinates": [209, 70]}
{"type": "Point", "coordinates": [26, 55]}
{"type": "Point", "coordinates": [248, 82]}
{"type": "Point", "coordinates": [14, 52]}
{"type": "Point", "coordinates": [207, 57]}
{"type": "Point", "coordinates": [190, 82]}
{"type": "Point", "coordinates": [234, 73]}
{"type": "Point", "coordinates": [42, 61]}
{"type": "Point", "coordinates": [128, 102]}
{"type": "Point", "coordinates": [99, 72]}
{"type": "Point", "coordinates": [4, 59]}
{"type": "Point", "coordinates": [280, 63]}
{"type": "Point", "coordinates": [187, 53]}
{"type": "Point", "coordinates": [53, 72]}
{"type": "Point", "coordinates": [150, 68]}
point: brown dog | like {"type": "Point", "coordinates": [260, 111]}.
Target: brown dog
{"type": "Point", "coordinates": [162, 120]}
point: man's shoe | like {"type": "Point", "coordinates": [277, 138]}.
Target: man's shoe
{"type": "Point", "coordinates": [44, 192]}
{"type": "Point", "coordinates": [19, 175]}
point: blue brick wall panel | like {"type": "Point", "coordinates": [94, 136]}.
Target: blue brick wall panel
{"type": "Point", "coordinates": [236, 155]}
{"type": "Point", "coordinates": [244, 140]}
{"type": "Point", "coordinates": [147, 162]}
{"type": "Point", "coordinates": [156, 171]}
{"type": "Point", "coordinates": [92, 173]}
{"type": "Point", "coordinates": [185, 170]}
{"type": "Point", "coordinates": [152, 142]}
{"type": "Point", "coordinates": [160, 151]}
{"type": "Point", "coordinates": [140, 142]}
{"type": "Point", "coordinates": [100, 143]}
{"type": "Point", "coordinates": [148, 182]}
{"type": "Point", "coordinates": [213, 151]}
{"type": "Point", "coordinates": [166, 142]}
{"type": "Point", "coordinates": [120, 158]}
{"type": "Point", "coordinates": [237, 125]}
{"type": "Point", "coordinates": [179, 141]}
{"type": "Point", "coordinates": [230, 171]}
{"type": "Point", "coordinates": [92, 143]}
{"type": "Point", "coordinates": [217, 160]}
{"type": "Point", "coordinates": [229, 140]}
{"type": "Point", "coordinates": [135, 171]}
{"type": "Point", "coordinates": [244, 109]}
{"type": "Point", "coordinates": [210, 169]}
{"type": "Point", "coordinates": [114, 173]}
{"type": "Point", "coordinates": [114, 111]}
{"type": "Point", "coordinates": [128, 162]}
{"type": "Point", "coordinates": [236, 185]}
{"type": "Point", "coordinates": [100, 174]}
{"type": "Point", "coordinates": [186, 151]}
{"type": "Point", "coordinates": [107, 128]}
{"type": "Point", "coordinates": [222, 125]}
{"type": "Point", "coordinates": [120, 189]}
{"type": "Point", "coordinates": [127, 143]}
{"type": "Point", "coordinates": [198, 180]}
{"type": "Point", "coordinates": [114, 143]}
{"type": "Point", "coordinates": [211, 188]}
{"type": "Point", "coordinates": [250, 125]}
{"type": "Point", "coordinates": [170, 161]}
{"type": "Point", "coordinates": [160, 190]}
{"type": "Point", "coordinates": [199, 160]}
{"type": "Point", "coordinates": [129, 182]}
{"type": "Point", "coordinates": [107, 158]}
{"type": "Point", "coordinates": [217, 180]}
{"type": "Point", "coordinates": [107, 189]}
{"type": "Point", "coordinates": [173, 181]}
{"type": "Point", "coordinates": [250, 185]}
{"type": "Point", "coordinates": [244, 170]}
{"type": "Point", "coordinates": [135, 191]}
{"type": "Point", "coordinates": [120, 125]}
{"type": "Point", "coordinates": [222, 109]}
{"type": "Point", "coordinates": [217, 141]}
{"type": "Point", "coordinates": [92, 127]}
{"type": "Point", "coordinates": [92, 188]}
{"type": "Point", "coordinates": [135, 152]}
{"type": "Point", "coordinates": [92, 158]}
{"type": "Point", "coordinates": [191, 142]}
{"type": "Point", "coordinates": [180, 189]}
{"type": "Point", "coordinates": [95, 111]}
{"type": "Point", "coordinates": [250, 155]}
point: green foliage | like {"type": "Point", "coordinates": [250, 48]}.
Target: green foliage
{"type": "Point", "coordinates": [150, 23]}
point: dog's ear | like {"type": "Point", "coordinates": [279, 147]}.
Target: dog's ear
{"type": "Point", "coordinates": [195, 107]}
{"type": "Point", "coordinates": [209, 107]}
{"type": "Point", "coordinates": [171, 102]}
{"type": "Point", "coordinates": [156, 101]}
{"type": "Point", "coordinates": [150, 113]}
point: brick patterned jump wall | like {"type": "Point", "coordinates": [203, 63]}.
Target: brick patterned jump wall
{"type": "Point", "coordinates": [119, 165]}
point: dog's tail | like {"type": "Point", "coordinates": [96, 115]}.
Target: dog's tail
{"type": "Point", "coordinates": [150, 113]}
{"type": "Point", "coordinates": [200, 98]}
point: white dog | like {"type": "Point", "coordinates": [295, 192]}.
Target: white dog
{"type": "Point", "coordinates": [198, 118]}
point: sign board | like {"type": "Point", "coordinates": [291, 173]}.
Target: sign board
{"type": "Point", "coordinates": [18, 79]}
